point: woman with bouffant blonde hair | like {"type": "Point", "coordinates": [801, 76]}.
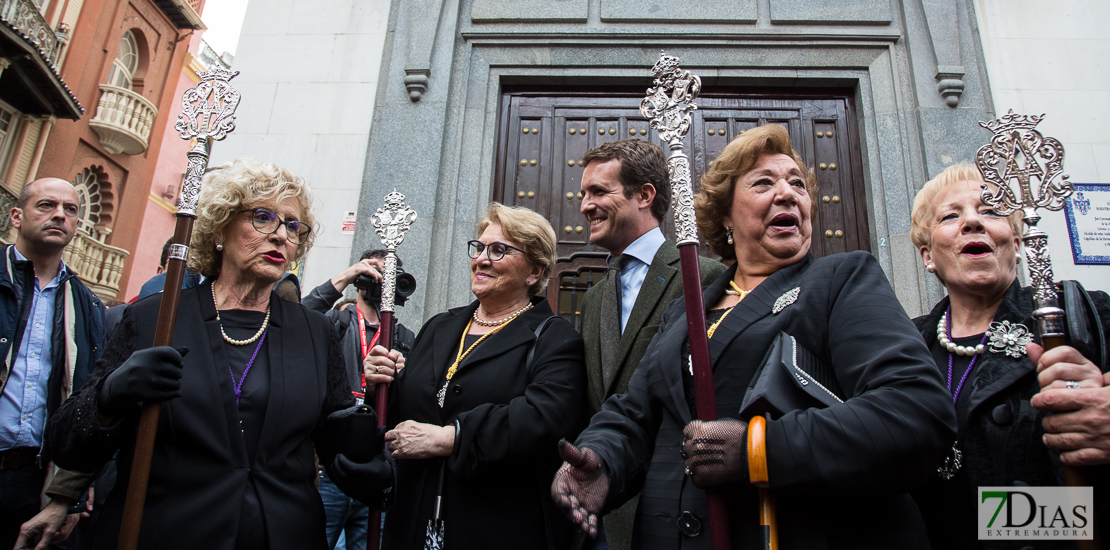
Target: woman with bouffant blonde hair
{"type": "Point", "coordinates": [223, 193]}
{"type": "Point", "coordinates": [246, 393]}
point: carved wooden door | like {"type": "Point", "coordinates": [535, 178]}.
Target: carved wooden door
{"type": "Point", "coordinates": [544, 134]}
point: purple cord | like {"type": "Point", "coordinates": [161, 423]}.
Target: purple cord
{"type": "Point", "coordinates": [239, 387]}
{"type": "Point", "coordinates": [948, 331]}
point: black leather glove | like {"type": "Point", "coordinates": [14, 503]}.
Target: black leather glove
{"type": "Point", "coordinates": [148, 376]}
{"type": "Point", "coordinates": [370, 483]}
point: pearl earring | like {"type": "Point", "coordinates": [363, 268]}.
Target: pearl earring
{"type": "Point", "coordinates": [729, 233]}
{"type": "Point", "coordinates": [930, 268]}
{"type": "Point", "coordinates": [219, 247]}
{"type": "Point", "coordinates": [1017, 256]}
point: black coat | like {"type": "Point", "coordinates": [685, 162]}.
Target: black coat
{"type": "Point", "coordinates": [839, 474]}
{"type": "Point", "coordinates": [510, 417]}
{"type": "Point", "coordinates": [200, 471]}
{"type": "Point", "coordinates": [1001, 439]}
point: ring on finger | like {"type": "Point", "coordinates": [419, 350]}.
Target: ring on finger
{"type": "Point", "coordinates": [689, 472]}
{"type": "Point", "coordinates": [1071, 384]}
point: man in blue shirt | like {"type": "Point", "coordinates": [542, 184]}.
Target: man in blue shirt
{"type": "Point", "coordinates": [625, 195]}
{"type": "Point", "coordinates": [51, 331]}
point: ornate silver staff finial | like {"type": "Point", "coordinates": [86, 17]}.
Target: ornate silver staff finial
{"type": "Point", "coordinates": [207, 114]}
{"type": "Point", "coordinates": [668, 105]}
{"type": "Point", "coordinates": [391, 224]}
{"type": "Point", "coordinates": [1018, 152]}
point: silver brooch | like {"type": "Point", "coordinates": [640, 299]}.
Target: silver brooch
{"type": "Point", "coordinates": [952, 464]}
{"type": "Point", "coordinates": [785, 300]}
{"type": "Point", "coordinates": [1008, 338]}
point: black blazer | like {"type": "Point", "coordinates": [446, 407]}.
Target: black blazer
{"type": "Point", "coordinates": [510, 417]}
{"type": "Point", "coordinates": [838, 472]}
{"type": "Point", "coordinates": [1001, 436]}
{"type": "Point", "coordinates": [200, 472]}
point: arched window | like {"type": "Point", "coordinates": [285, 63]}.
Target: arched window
{"type": "Point", "coordinates": [88, 192]}
{"type": "Point", "coordinates": [124, 65]}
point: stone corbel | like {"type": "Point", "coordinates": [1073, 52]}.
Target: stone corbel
{"type": "Point", "coordinates": [943, 23]}
{"type": "Point", "coordinates": [416, 82]}
{"type": "Point", "coordinates": [423, 24]}
{"type": "Point", "coordinates": [950, 83]}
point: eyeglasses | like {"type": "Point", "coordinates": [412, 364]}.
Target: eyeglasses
{"type": "Point", "coordinates": [267, 223]}
{"type": "Point", "coordinates": [494, 251]}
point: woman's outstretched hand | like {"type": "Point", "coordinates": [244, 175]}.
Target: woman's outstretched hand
{"type": "Point", "coordinates": [581, 486]}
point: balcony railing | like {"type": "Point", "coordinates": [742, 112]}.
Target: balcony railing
{"type": "Point", "coordinates": [99, 265]}
{"type": "Point", "coordinates": [24, 16]}
{"type": "Point", "coordinates": [123, 120]}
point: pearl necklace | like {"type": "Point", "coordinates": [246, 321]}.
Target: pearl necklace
{"type": "Point", "coordinates": [514, 315]}
{"type": "Point", "coordinates": [232, 341]}
{"type": "Point", "coordinates": [942, 337]}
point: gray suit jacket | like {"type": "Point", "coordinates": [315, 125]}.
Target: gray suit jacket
{"type": "Point", "coordinates": [662, 284]}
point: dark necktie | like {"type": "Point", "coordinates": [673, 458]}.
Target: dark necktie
{"type": "Point", "coordinates": [611, 317]}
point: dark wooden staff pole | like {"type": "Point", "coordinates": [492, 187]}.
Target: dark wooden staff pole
{"type": "Point", "coordinates": [391, 223]}
{"type": "Point", "coordinates": [668, 105]}
{"type": "Point", "coordinates": [1018, 152]}
{"type": "Point", "coordinates": [207, 114]}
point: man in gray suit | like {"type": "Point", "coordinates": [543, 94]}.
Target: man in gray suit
{"type": "Point", "coordinates": [625, 195]}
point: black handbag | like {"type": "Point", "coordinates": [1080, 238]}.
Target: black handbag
{"type": "Point", "coordinates": [790, 378]}
{"type": "Point", "coordinates": [354, 433]}
{"type": "Point", "coordinates": [1083, 327]}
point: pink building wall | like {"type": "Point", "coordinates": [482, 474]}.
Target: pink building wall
{"type": "Point", "coordinates": [158, 220]}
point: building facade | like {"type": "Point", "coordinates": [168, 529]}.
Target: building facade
{"type": "Point", "coordinates": [121, 59]}
{"type": "Point", "coordinates": [158, 219]}
{"type": "Point", "coordinates": [34, 39]}
{"type": "Point", "coordinates": [308, 79]}
{"type": "Point", "coordinates": [482, 100]}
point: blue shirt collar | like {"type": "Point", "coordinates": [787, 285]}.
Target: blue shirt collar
{"type": "Point", "coordinates": [61, 269]}
{"type": "Point", "coordinates": [645, 247]}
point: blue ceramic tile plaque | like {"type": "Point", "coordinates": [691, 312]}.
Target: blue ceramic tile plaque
{"type": "Point", "coordinates": [1088, 214]}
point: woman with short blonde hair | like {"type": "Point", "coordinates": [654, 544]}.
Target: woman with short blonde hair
{"type": "Point", "coordinates": [977, 335]}
{"type": "Point", "coordinates": [489, 390]}
{"type": "Point", "coordinates": [531, 230]}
